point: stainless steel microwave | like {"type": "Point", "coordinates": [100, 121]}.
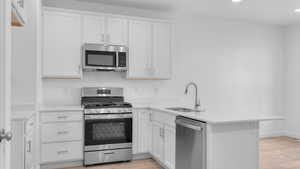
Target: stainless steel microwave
{"type": "Point", "coordinates": [97, 57]}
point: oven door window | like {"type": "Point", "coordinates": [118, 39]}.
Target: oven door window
{"type": "Point", "coordinates": [100, 58]}
{"type": "Point", "coordinates": [108, 131]}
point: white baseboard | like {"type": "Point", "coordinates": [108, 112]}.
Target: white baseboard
{"type": "Point", "coordinates": [293, 134]}
{"type": "Point", "coordinates": [141, 156]}
{"type": "Point", "coordinates": [273, 134]}
{"type": "Point", "coordinates": [62, 165]}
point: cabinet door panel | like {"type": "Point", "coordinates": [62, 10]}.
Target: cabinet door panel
{"type": "Point", "coordinates": [62, 45]}
{"type": "Point", "coordinates": [145, 132]}
{"type": "Point", "coordinates": [162, 50]}
{"type": "Point", "coordinates": [117, 30]}
{"type": "Point", "coordinates": [93, 29]}
{"type": "Point", "coordinates": [135, 135]}
{"type": "Point", "coordinates": [139, 49]}
{"type": "Point", "coordinates": [157, 141]}
{"type": "Point", "coordinates": [169, 146]}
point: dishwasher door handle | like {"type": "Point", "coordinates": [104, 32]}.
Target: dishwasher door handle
{"type": "Point", "coordinates": [190, 126]}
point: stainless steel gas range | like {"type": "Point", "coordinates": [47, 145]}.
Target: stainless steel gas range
{"type": "Point", "coordinates": [108, 126]}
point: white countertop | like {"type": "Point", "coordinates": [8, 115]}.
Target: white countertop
{"type": "Point", "coordinates": [206, 116]}
{"type": "Point", "coordinates": [50, 108]}
{"type": "Point", "coordinates": [214, 118]}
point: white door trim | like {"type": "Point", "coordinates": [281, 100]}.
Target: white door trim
{"type": "Point", "coordinates": [5, 79]}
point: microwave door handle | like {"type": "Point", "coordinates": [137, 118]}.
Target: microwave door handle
{"type": "Point", "coordinates": [117, 59]}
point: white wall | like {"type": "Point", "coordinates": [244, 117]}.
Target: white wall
{"type": "Point", "coordinates": [292, 90]}
{"type": "Point", "coordinates": [237, 65]}
{"type": "Point", "coordinates": [24, 58]}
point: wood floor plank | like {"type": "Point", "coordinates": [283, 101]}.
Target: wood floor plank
{"type": "Point", "coordinates": [275, 153]}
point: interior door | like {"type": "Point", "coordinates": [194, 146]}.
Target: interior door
{"type": "Point", "coordinates": [5, 81]}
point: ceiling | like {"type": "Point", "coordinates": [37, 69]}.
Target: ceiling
{"type": "Point", "coordinates": [266, 11]}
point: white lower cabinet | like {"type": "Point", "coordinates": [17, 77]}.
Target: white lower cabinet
{"type": "Point", "coordinates": [158, 141]}
{"type": "Point", "coordinates": [64, 151]}
{"type": "Point", "coordinates": [154, 132]}
{"type": "Point", "coordinates": [142, 135]}
{"type": "Point", "coordinates": [23, 151]}
{"type": "Point", "coordinates": [169, 147]}
{"type": "Point", "coordinates": [61, 136]}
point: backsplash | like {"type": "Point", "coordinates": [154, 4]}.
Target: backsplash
{"type": "Point", "coordinates": [68, 91]}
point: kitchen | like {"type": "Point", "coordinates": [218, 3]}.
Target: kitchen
{"type": "Point", "coordinates": [243, 65]}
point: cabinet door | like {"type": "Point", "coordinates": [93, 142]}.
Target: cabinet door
{"type": "Point", "coordinates": [135, 131]}
{"type": "Point", "coordinates": [145, 132]}
{"type": "Point", "coordinates": [158, 141]}
{"type": "Point", "coordinates": [161, 60]}
{"type": "Point", "coordinates": [169, 146]}
{"type": "Point", "coordinates": [18, 145]}
{"type": "Point", "coordinates": [29, 151]}
{"type": "Point", "coordinates": [93, 29]}
{"type": "Point", "coordinates": [139, 49]}
{"type": "Point", "coordinates": [117, 30]}
{"type": "Point", "coordinates": [62, 45]}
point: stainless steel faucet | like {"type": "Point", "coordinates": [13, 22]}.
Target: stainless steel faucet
{"type": "Point", "coordinates": [197, 101]}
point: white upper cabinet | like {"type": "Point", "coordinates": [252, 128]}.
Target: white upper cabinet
{"type": "Point", "coordinates": [61, 45]}
{"type": "Point", "coordinates": [117, 31]}
{"type": "Point", "coordinates": [101, 29]}
{"type": "Point", "coordinates": [162, 61]}
{"type": "Point", "coordinates": [93, 29]}
{"type": "Point", "coordinates": [139, 49]}
{"type": "Point", "coordinates": [149, 50]}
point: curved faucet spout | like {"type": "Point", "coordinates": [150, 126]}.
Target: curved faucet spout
{"type": "Point", "coordinates": [197, 101]}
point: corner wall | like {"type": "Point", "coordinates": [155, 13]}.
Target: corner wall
{"type": "Point", "coordinates": [292, 80]}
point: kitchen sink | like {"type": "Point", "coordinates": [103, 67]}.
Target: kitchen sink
{"type": "Point", "coordinates": [182, 109]}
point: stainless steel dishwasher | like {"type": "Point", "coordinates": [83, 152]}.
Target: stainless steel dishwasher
{"type": "Point", "coordinates": [190, 144]}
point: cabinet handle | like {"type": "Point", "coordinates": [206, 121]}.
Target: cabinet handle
{"type": "Point", "coordinates": [62, 132]}
{"type": "Point", "coordinates": [108, 38]}
{"type": "Point", "coordinates": [29, 147]}
{"type": "Point", "coordinates": [62, 117]}
{"type": "Point", "coordinates": [62, 152]}
{"type": "Point", "coordinates": [160, 132]}
{"type": "Point", "coordinates": [102, 37]}
{"type": "Point", "coordinates": [150, 117]}
{"type": "Point", "coordinates": [79, 68]}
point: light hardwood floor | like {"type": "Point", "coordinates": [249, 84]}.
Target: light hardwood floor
{"type": "Point", "coordinates": [280, 153]}
{"type": "Point", "coordinates": [275, 153]}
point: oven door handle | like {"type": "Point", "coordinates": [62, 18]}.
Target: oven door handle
{"type": "Point", "coordinates": [108, 116]}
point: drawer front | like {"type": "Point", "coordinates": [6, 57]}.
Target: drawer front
{"type": "Point", "coordinates": [56, 152]}
{"type": "Point", "coordinates": [163, 118]}
{"type": "Point", "coordinates": [69, 131]}
{"type": "Point", "coordinates": [61, 116]}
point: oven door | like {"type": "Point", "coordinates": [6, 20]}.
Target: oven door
{"type": "Point", "coordinates": [108, 131]}
{"type": "Point", "coordinates": [101, 60]}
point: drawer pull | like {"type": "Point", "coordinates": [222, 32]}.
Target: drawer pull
{"type": "Point", "coordinates": [62, 117]}
{"type": "Point", "coordinates": [108, 153]}
{"type": "Point", "coordinates": [63, 152]}
{"type": "Point", "coordinates": [29, 146]}
{"type": "Point", "coordinates": [62, 132]}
